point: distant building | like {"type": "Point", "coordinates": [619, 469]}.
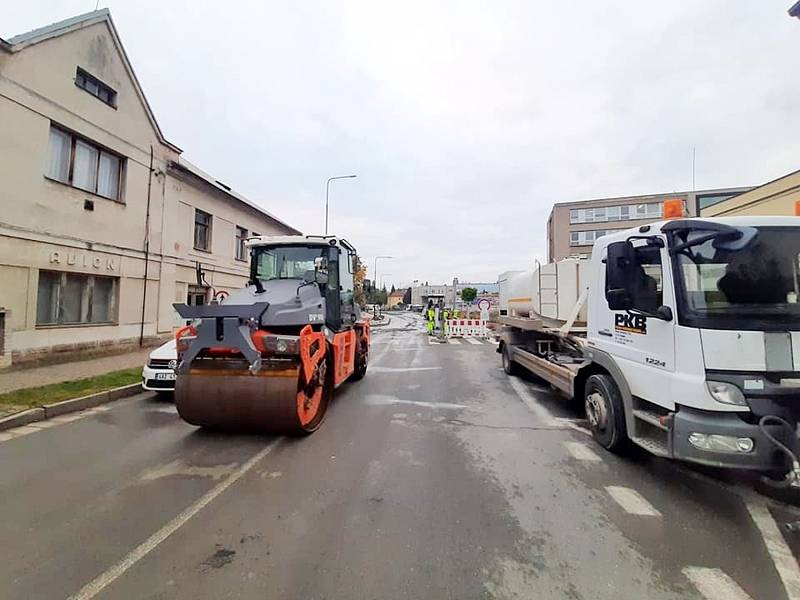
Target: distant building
{"type": "Point", "coordinates": [95, 246]}
{"type": "Point", "coordinates": [420, 294]}
{"type": "Point", "coordinates": [777, 197]}
{"type": "Point", "coordinates": [395, 298]}
{"type": "Point", "coordinates": [573, 227]}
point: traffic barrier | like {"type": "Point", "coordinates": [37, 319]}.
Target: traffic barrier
{"type": "Point", "coordinates": [467, 328]}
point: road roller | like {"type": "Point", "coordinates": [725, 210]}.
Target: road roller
{"type": "Point", "coordinates": [267, 357]}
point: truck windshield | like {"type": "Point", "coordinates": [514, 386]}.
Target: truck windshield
{"type": "Point", "coordinates": [755, 287]}
{"type": "Point", "coordinates": [286, 262]}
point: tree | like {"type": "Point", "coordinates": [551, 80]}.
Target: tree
{"type": "Point", "coordinates": [359, 276]}
{"type": "Point", "coordinates": [393, 288]}
{"type": "Point", "coordinates": [468, 294]}
{"type": "Point", "coordinates": [407, 296]}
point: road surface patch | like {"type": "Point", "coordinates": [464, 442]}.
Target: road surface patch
{"type": "Point", "coordinates": [779, 551]}
{"type": "Point", "coordinates": [581, 452]}
{"type": "Point", "coordinates": [632, 501]}
{"type": "Point", "coordinates": [715, 584]}
{"type": "Point", "coordinates": [474, 341]}
{"type": "Point", "coordinates": [453, 341]}
{"type": "Point", "coordinates": [102, 581]}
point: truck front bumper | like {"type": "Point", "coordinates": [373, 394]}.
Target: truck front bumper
{"type": "Point", "coordinates": [764, 455]}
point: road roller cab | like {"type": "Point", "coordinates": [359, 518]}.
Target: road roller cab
{"type": "Point", "coordinates": [268, 356]}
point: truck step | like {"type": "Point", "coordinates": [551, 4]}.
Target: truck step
{"type": "Point", "coordinates": [654, 446]}
{"type": "Point", "coordinates": [650, 418]}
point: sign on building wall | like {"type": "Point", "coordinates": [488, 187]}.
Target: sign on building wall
{"type": "Point", "coordinates": [78, 259]}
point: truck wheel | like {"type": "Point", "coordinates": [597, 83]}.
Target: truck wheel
{"type": "Point", "coordinates": [509, 366]}
{"type": "Point", "coordinates": [605, 412]}
{"type": "Point", "coordinates": [362, 360]}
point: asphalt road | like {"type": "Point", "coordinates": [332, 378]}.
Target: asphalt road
{"type": "Point", "coordinates": [434, 477]}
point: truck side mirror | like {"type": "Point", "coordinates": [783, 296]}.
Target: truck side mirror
{"type": "Point", "coordinates": [620, 272]}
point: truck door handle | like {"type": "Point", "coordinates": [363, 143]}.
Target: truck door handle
{"type": "Point", "coordinates": [605, 332]}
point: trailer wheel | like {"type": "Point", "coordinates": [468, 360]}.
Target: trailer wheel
{"type": "Point", "coordinates": [509, 366]}
{"type": "Point", "coordinates": [605, 412]}
{"type": "Point", "coordinates": [362, 360]}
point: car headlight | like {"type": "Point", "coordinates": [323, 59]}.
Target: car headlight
{"type": "Point", "coordinates": [725, 392]}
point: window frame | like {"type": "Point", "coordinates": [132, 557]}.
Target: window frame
{"type": "Point", "coordinates": [84, 78]}
{"type": "Point", "coordinates": [209, 226]}
{"type": "Point", "coordinates": [87, 289]}
{"type": "Point", "coordinates": [240, 250]}
{"type": "Point", "coordinates": [74, 139]}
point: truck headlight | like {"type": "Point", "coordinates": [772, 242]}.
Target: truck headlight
{"type": "Point", "coordinates": [721, 443]}
{"type": "Point", "coordinates": [725, 392]}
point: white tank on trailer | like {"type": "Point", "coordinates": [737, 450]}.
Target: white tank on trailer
{"type": "Point", "coordinates": [549, 291]}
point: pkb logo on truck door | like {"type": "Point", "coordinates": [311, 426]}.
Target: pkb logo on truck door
{"type": "Point", "coordinates": [630, 323]}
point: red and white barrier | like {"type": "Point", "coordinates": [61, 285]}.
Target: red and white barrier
{"type": "Point", "coordinates": [467, 328]}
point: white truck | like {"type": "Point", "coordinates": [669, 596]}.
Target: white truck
{"type": "Point", "coordinates": [681, 336]}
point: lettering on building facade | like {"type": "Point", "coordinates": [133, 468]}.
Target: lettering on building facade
{"type": "Point", "coordinates": [81, 259]}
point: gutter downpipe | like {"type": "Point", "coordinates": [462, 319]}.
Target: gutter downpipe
{"type": "Point", "coordinates": [146, 247]}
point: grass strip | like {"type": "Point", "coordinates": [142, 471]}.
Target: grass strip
{"type": "Point", "coordinates": [56, 392]}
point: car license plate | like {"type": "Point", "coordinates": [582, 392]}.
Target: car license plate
{"type": "Point", "coordinates": [166, 376]}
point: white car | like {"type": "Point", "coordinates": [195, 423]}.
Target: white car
{"type": "Point", "coordinates": [158, 375]}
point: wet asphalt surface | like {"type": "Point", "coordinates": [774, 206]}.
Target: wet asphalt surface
{"type": "Point", "coordinates": [430, 478]}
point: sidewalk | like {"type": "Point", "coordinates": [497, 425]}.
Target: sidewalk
{"type": "Point", "coordinates": [15, 380]}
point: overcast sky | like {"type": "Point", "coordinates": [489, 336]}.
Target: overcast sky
{"type": "Point", "coordinates": [464, 121]}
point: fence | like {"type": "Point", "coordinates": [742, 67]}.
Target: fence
{"type": "Point", "coordinates": [467, 328]}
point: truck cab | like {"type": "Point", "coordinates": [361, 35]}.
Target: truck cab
{"type": "Point", "coordinates": [692, 342]}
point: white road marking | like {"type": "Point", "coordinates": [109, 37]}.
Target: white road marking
{"type": "Point", "coordinates": [44, 424]}
{"type": "Point", "coordinates": [24, 430]}
{"type": "Point", "coordinates": [632, 501]}
{"type": "Point", "coordinates": [493, 341]}
{"type": "Point", "coordinates": [385, 400]}
{"type": "Point", "coordinates": [401, 369]}
{"type": "Point", "coordinates": [581, 451]}
{"type": "Point", "coordinates": [778, 549]}
{"type": "Point", "coordinates": [533, 405]}
{"type": "Point", "coordinates": [474, 341]}
{"type": "Point", "coordinates": [573, 425]}
{"type": "Point", "coordinates": [68, 418]}
{"type": "Point", "coordinates": [715, 584]}
{"type": "Point", "coordinates": [453, 341]}
{"type": "Point", "coordinates": [102, 581]}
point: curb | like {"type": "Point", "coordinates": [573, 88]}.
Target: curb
{"type": "Point", "coordinates": [48, 411]}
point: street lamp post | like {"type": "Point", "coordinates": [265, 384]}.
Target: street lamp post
{"type": "Point", "coordinates": [327, 193]}
{"type": "Point", "coordinates": [375, 271]}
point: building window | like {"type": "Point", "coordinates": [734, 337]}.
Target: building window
{"type": "Point", "coordinates": [95, 87]}
{"type": "Point", "coordinates": [81, 164]}
{"type": "Point", "coordinates": [74, 298]}
{"type": "Point", "coordinates": [202, 230]}
{"type": "Point", "coordinates": [241, 249]}
{"type": "Point", "coordinates": [585, 238]}
{"type": "Point", "coordinates": [605, 214]}
{"type": "Point", "coordinates": [196, 295]}
{"type": "Point", "coordinates": [707, 200]}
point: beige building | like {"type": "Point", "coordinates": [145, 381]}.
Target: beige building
{"type": "Point", "coordinates": [103, 223]}
{"type": "Point", "coordinates": [777, 197]}
{"type": "Point", "coordinates": [573, 227]}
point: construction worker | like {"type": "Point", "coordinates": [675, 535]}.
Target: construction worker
{"type": "Point", "coordinates": [430, 315]}
{"type": "Point", "coordinates": [445, 327]}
